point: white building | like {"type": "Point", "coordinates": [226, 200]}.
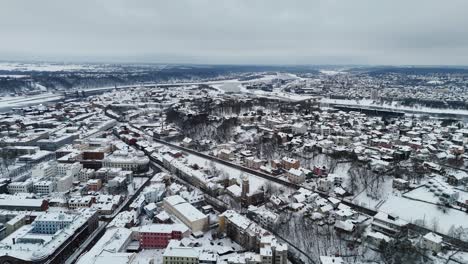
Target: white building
{"type": "Point", "coordinates": [126, 160]}
{"type": "Point", "coordinates": [70, 169]}
{"type": "Point", "coordinates": [296, 176]}
{"type": "Point", "coordinates": [272, 251]}
{"type": "Point", "coordinates": [44, 187]}
{"type": "Point", "coordinates": [177, 254]}
{"type": "Point", "coordinates": [154, 193]}
{"type": "Point", "coordinates": [432, 242]}
{"type": "Point", "coordinates": [300, 128]}
{"type": "Point", "coordinates": [80, 202]}
{"type": "Point", "coordinates": [187, 213]}
{"type": "Point", "coordinates": [193, 197]}
{"type": "Point", "coordinates": [64, 183]}
{"type": "Point", "coordinates": [111, 248]}
{"type": "Point", "coordinates": [20, 187]}
{"type": "Point", "coordinates": [325, 184]}
{"type": "Point", "coordinates": [265, 217]}
{"type": "Point", "coordinates": [49, 223]}
{"type": "Point", "coordinates": [45, 170]}
{"type": "Point", "coordinates": [86, 174]}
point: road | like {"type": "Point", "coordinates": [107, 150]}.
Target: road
{"type": "Point", "coordinates": [99, 232]}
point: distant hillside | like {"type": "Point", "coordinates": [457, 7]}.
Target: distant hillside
{"type": "Point", "coordinates": [376, 71]}
{"type": "Point", "coordinates": [23, 80]}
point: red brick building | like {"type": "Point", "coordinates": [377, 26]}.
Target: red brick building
{"type": "Point", "coordinates": [158, 235]}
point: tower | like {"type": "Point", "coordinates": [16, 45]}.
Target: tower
{"type": "Point", "coordinates": [245, 186]}
{"type": "Point", "coordinates": [245, 191]}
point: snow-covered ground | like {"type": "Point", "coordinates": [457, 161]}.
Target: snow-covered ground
{"type": "Point", "coordinates": [364, 198]}
{"type": "Point", "coordinates": [282, 95]}
{"type": "Point", "coordinates": [394, 106]}
{"type": "Point", "coordinates": [330, 72]}
{"type": "Point", "coordinates": [50, 67]}
{"type": "Point", "coordinates": [21, 101]}
{"type": "Point", "coordinates": [411, 210]}
{"type": "Point", "coordinates": [150, 254]}
{"type": "Point", "coordinates": [423, 194]}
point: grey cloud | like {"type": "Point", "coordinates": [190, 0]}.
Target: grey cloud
{"type": "Point", "coordinates": [237, 31]}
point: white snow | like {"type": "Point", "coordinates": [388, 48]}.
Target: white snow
{"type": "Point", "coordinates": [411, 210]}
{"type": "Point", "coordinates": [394, 106]}
{"type": "Point", "coordinates": [15, 66]}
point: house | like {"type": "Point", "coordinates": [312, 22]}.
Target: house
{"type": "Point", "coordinates": [289, 163]}
{"type": "Point", "coordinates": [376, 238]}
{"type": "Point", "coordinates": [388, 224]}
{"type": "Point", "coordinates": [225, 154]}
{"type": "Point", "coordinates": [276, 201]}
{"type": "Point", "coordinates": [300, 128]}
{"type": "Point", "coordinates": [344, 212]}
{"type": "Point", "coordinates": [345, 226]}
{"type": "Point", "coordinates": [432, 242]}
{"type": "Point", "coordinates": [150, 209]}
{"type": "Point", "coordinates": [432, 166]}
{"type": "Point", "coordinates": [296, 207]}
{"type": "Point", "coordinates": [262, 215]}
{"type": "Point", "coordinates": [337, 179]}
{"type": "Point", "coordinates": [305, 196]}
{"type": "Point", "coordinates": [320, 171]}
{"type": "Point", "coordinates": [94, 185]}
{"type": "Point", "coordinates": [187, 142]}
{"type": "Point", "coordinates": [325, 185]}
{"type": "Point", "coordinates": [235, 191]}
{"type": "Point", "coordinates": [276, 164]}
{"type": "Point", "coordinates": [296, 176]}
{"type": "Point", "coordinates": [457, 177]}
{"type": "Point", "coordinates": [400, 184]}
{"type": "Point", "coordinates": [325, 209]}
{"type": "Point", "coordinates": [331, 260]}
{"type": "Point", "coordinates": [340, 192]}
{"type": "Point", "coordinates": [253, 163]}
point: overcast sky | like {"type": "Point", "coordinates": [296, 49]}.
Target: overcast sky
{"type": "Point", "coordinates": [429, 32]}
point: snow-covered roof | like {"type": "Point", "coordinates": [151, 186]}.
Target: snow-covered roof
{"type": "Point", "coordinates": [161, 228]}
{"type": "Point", "coordinates": [347, 225]}
{"type": "Point", "coordinates": [331, 260]}
{"type": "Point", "coordinates": [175, 250]}
{"type": "Point", "coordinates": [235, 189]}
{"type": "Point", "coordinates": [433, 238]}
{"type": "Point", "coordinates": [113, 241]}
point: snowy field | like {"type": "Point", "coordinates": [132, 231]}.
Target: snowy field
{"type": "Point", "coordinates": [6, 103]}
{"type": "Point", "coordinates": [364, 199]}
{"type": "Point", "coordinates": [50, 67]}
{"type": "Point", "coordinates": [411, 211]}
{"type": "Point", "coordinates": [423, 194]}
{"type": "Point", "coordinates": [282, 95]}
{"type": "Point", "coordinates": [394, 106]}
